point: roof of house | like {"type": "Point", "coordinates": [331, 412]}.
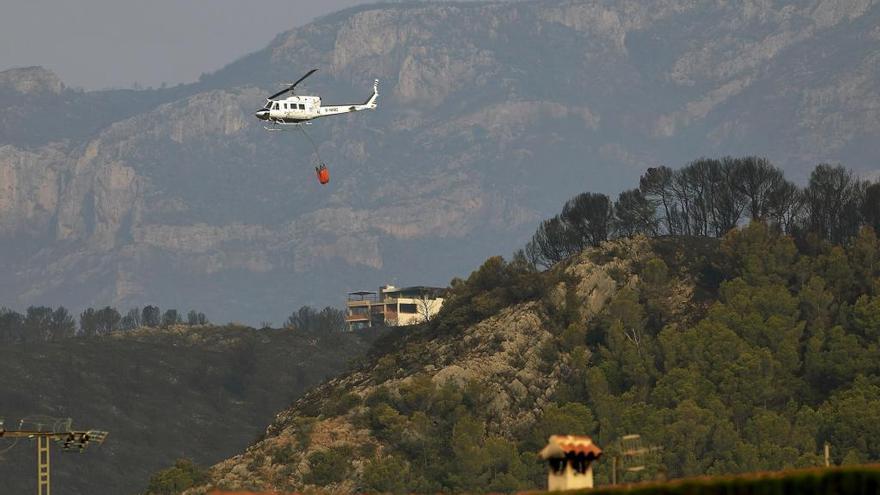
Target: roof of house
{"type": "Point", "coordinates": [563, 445]}
{"type": "Point", "coordinates": [414, 288]}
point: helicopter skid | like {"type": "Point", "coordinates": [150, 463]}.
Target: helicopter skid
{"type": "Point", "coordinates": [282, 126]}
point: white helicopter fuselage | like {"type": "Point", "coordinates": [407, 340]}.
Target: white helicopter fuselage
{"type": "Point", "coordinates": [299, 109]}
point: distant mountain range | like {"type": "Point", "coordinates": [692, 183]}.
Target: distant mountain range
{"type": "Point", "coordinates": [490, 114]}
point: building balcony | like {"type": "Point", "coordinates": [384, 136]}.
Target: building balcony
{"type": "Point", "coordinates": [362, 296]}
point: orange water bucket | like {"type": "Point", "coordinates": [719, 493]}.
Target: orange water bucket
{"type": "Point", "coordinates": [323, 174]}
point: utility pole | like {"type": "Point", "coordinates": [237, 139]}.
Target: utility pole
{"type": "Point", "coordinates": [614, 470]}
{"type": "Point", "coordinates": [631, 456]}
{"type": "Point", "coordinates": [62, 433]}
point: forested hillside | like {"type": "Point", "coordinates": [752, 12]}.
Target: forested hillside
{"type": "Point", "coordinates": [200, 392]}
{"type": "Point", "coordinates": [740, 353]}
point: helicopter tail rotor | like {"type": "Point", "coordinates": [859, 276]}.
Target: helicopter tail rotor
{"type": "Point", "coordinates": [371, 102]}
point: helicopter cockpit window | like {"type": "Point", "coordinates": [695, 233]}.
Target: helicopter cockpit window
{"type": "Point", "coordinates": [302, 106]}
{"type": "Point", "coordinates": [275, 106]}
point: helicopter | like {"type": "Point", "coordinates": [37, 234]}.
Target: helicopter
{"type": "Point", "coordinates": [298, 110]}
{"type": "Point", "coordinates": [301, 110]}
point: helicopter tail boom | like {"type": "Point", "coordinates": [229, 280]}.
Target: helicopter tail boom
{"type": "Point", "coordinates": [370, 104]}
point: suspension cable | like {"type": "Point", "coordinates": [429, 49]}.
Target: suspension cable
{"type": "Point", "coordinates": [317, 153]}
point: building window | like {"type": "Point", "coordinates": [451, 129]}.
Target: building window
{"type": "Point", "coordinates": [408, 308]}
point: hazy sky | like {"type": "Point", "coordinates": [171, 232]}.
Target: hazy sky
{"type": "Point", "coordinates": [115, 43]}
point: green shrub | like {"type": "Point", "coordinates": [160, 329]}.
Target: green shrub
{"type": "Point", "coordinates": [328, 466]}
{"type": "Point", "coordinates": [184, 474]}
{"type": "Point", "coordinates": [386, 475]}
{"type": "Point", "coordinates": [304, 426]}
{"type": "Point", "coordinates": [340, 403]}
{"type": "Point", "coordinates": [494, 286]}
{"type": "Point", "coordinates": [386, 368]}
{"type": "Point", "coordinates": [283, 455]}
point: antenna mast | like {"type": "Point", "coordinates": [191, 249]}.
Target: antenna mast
{"type": "Point", "coordinates": [44, 429]}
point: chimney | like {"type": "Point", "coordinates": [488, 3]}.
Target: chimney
{"type": "Point", "coordinates": [569, 459]}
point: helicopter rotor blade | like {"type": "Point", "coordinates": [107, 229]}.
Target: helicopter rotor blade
{"type": "Point", "coordinates": [293, 85]}
{"type": "Point", "coordinates": [309, 73]}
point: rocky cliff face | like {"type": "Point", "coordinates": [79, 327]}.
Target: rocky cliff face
{"type": "Point", "coordinates": [30, 183]}
{"type": "Point", "coordinates": [31, 81]}
{"type": "Point", "coordinates": [490, 115]}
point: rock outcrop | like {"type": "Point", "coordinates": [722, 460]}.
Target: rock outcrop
{"type": "Point", "coordinates": [31, 81]}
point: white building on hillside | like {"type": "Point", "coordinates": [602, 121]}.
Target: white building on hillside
{"type": "Point", "coordinates": [392, 306]}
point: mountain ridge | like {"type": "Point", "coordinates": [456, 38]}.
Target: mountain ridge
{"type": "Point", "coordinates": [480, 132]}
